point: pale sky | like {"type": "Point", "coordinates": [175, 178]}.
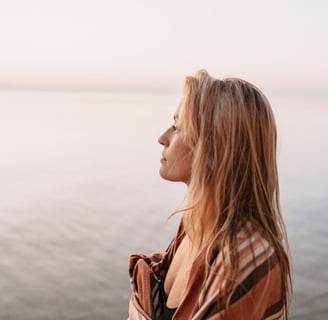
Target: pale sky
{"type": "Point", "coordinates": [149, 45]}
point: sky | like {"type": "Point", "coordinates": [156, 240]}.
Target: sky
{"type": "Point", "coordinates": [150, 46]}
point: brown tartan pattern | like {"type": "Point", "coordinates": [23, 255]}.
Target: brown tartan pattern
{"type": "Point", "coordinates": [257, 295]}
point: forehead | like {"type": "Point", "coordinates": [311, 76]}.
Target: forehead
{"type": "Point", "coordinates": [179, 109]}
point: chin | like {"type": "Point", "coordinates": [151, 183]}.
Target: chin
{"type": "Point", "coordinates": [171, 178]}
{"type": "Point", "coordinates": [164, 176]}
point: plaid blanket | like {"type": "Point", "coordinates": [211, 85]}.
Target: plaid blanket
{"type": "Point", "coordinates": [257, 296]}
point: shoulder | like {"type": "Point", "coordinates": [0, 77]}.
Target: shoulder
{"type": "Point", "coordinates": [250, 249]}
{"type": "Point", "coordinates": [256, 282]}
{"type": "Point", "coordinates": [254, 256]}
{"type": "Point", "coordinates": [254, 252]}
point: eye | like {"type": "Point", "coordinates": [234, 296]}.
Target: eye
{"type": "Point", "coordinates": [174, 127]}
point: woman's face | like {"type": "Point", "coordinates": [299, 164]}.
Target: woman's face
{"type": "Point", "coordinates": [177, 155]}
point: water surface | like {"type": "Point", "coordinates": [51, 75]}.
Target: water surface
{"type": "Point", "coordinates": [80, 191]}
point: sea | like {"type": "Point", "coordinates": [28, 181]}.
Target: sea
{"type": "Point", "coordinates": [80, 192]}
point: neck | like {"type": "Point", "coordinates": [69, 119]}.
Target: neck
{"type": "Point", "coordinates": [199, 238]}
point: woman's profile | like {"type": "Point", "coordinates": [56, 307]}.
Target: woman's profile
{"type": "Point", "coordinates": [229, 257]}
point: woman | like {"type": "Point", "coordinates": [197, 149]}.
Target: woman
{"type": "Point", "coordinates": [228, 259]}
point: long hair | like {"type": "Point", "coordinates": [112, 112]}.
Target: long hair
{"type": "Point", "coordinates": [234, 181]}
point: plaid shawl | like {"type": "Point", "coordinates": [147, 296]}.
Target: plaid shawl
{"type": "Point", "coordinates": [257, 295]}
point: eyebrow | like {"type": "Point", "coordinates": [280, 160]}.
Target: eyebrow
{"type": "Point", "coordinates": [175, 117]}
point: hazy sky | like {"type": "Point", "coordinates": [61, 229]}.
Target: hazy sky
{"type": "Point", "coordinates": [151, 45]}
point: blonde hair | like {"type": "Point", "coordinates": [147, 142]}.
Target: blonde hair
{"type": "Point", "coordinates": [234, 181]}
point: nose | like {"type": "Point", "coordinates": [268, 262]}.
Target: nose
{"type": "Point", "coordinates": [164, 139]}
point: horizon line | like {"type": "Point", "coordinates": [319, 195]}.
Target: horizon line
{"type": "Point", "coordinates": [273, 92]}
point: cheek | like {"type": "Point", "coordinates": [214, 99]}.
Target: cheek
{"type": "Point", "coordinates": [188, 162]}
{"type": "Point", "coordinates": [184, 162]}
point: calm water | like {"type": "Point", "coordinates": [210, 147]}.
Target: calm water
{"type": "Point", "coordinates": [80, 191]}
